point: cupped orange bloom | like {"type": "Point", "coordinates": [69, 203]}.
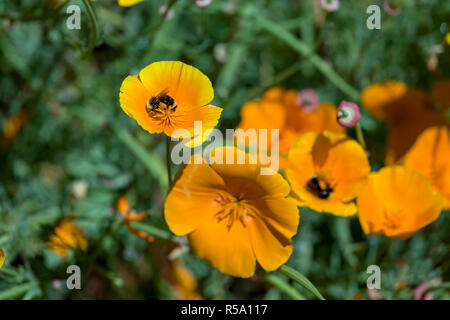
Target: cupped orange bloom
{"type": "Point", "coordinates": [128, 3]}
{"type": "Point", "coordinates": [327, 171]}
{"type": "Point", "coordinates": [169, 95]}
{"type": "Point", "coordinates": [440, 94]}
{"type": "Point", "coordinates": [430, 155]}
{"type": "Point", "coordinates": [393, 100]}
{"type": "Point", "coordinates": [397, 201]}
{"type": "Point", "coordinates": [233, 215]}
{"type": "Point", "coordinates": [278, 109]}
{"type": "Point", "coordinates": [67, 235]}
{"type": "Point", "coordinates": [402, 134]}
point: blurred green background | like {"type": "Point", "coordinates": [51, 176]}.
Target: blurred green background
{"type": "Point", "coordinates": [75, 134]}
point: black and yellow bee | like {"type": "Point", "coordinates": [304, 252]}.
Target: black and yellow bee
{"type": "Point", "coordinates": [154, 103]}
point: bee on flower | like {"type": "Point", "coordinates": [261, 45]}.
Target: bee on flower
{"type": "Point", "coordinates": [170, 95]}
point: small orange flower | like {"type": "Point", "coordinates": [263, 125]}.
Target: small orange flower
{"type": "Point", "coordinates": [184, 284]}
{"type": "Point", "coordinates": [278, 109]}
{"type": "Point", "coordinates": [397, 201]}
{"type": "Point", "coordinates": [402, 134]}
{"type": "Point", "coordinates": [129, 215]}
{"type": "Point", "coordinates": [393, 100]}
{"type": "Point", "coordinates": [12, 128]}
{"type": "Point", "coordinates": [430, 155]}
{"type": "Point", "coordinates": [233, 215]}
{"type": "Point", "coordinates": [327, 171]}
{"type": "Point", "coordinates": [128, 3]}
{"type": "Point", "coordinates": [169, 95]}
{"type": "Point", "coordinates": [67, 235]}
{"type": "Point", "coordinates": [441, 94]}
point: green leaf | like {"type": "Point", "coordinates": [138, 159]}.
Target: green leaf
{"type": "Point", "coordinates": [284, 287]}
{"type": "Point", "coordinates": [301, 280]}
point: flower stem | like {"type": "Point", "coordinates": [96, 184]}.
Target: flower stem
{"type": "Point", "coordinates": [93, 20]}
{"type": "Point", "coordinates": [169, 170]}
{"type": "Point", "coordinates": [360, 136]}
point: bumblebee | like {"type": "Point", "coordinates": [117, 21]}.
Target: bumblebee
{"type": "Point", "coordinates": [314, 187]}
{"type": "Point", "coordinates": [154, 103]}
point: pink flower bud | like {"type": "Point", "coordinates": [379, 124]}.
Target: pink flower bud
{"type": "Point", "coordinates": [391, 9]}
{"type": "Point", "coordinates": [307, 100]}
{"type": "Point", "coordinates": [348, 114]}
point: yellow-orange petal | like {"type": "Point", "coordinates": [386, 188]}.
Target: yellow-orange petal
{"type": "Point", "coordinates": [128, 3]}
{"type": "Point", "coordinates": [133, 98]}
{"type": "Point", "coordinates": [187, 85]}
{"type": "Point", "coordinates": [393, 100]}
{"type": "Point", "coordinates": [229, 250]}
{"type": "Point", "coordinates": [403, 133]}
{"type": "Point", "coordinates": [272, 231]}
{"type": "Point", "coordinates": [191, 201]}
{"type": "Point", "coordinates": [430, 156]}
{"type": "Point", "coordinates": [397, 201]}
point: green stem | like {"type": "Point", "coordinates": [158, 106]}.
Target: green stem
{"type": "Point", "coordinates": [302, 48]}
{"type": "Point", "coordinates": [300, 279]}
{"type": "Point", "coordinates": [168, 164]}
{"type": "Point", "coordinates": [93, 20]}
{"type": "Point", "coordinates": [360, 136]}
{"type": "Point", "coordinates": [284, 287]}
{"type": "Point", "coordinates": [151, 230]}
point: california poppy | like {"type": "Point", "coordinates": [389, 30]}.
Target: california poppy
{"type": "Point", "coordinates": [402, 134]}
{"type": "Point", "coordinates": [169, 95]}
{"type": "Point", "coordinates": [233, 215]}
{"type": "Point", "coordinates": [67, 235]}
{"type": "Point", "coordinates": [279, 109]}
{"type": "Point", "coordinates": [393, 100]}
{"type": "Point", "coordinates": [327, 171]}
{"type": "Point", "coordinates": [430, 155]}
{"type": "Point", "coordinates": [397, 201]}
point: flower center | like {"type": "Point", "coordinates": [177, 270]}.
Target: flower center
{"type": "Point", "coordinates": [234, 209]}
{"type": "Point", "coordinates": [319, 187]}
{"type": "Point", "coordinates": [161, 107]}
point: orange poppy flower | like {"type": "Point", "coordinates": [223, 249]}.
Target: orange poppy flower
{"type": "Point", "coordinates": [12, 128]}
{"type": "Point", "coordinates": [393, 100]}
{"type": "Point", "coordinates": [128, 215]}
{"type": "Point", "coordinates": [184, 284]}
{"type": "Point", "coordinates": [67, 235]}
{"type": "Point", "coordinates": [169, 95]}
{"type": "Point", "coordinates": [430, 155]}
{"type": "Point", "coordinates": [233, 215]}
{"type": "Point", "coordinates": [402, 134]}
{"type": "Point", "coordinates": [278, 110]}
{"type": "Point", "coordinates": [441, 94]}
{"type": "Point", "coordinates": [397, 201]}
{"type": "Point", "coordinates": [327, 171]}
{"type": "Point", "coordinates": [128, 3]}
